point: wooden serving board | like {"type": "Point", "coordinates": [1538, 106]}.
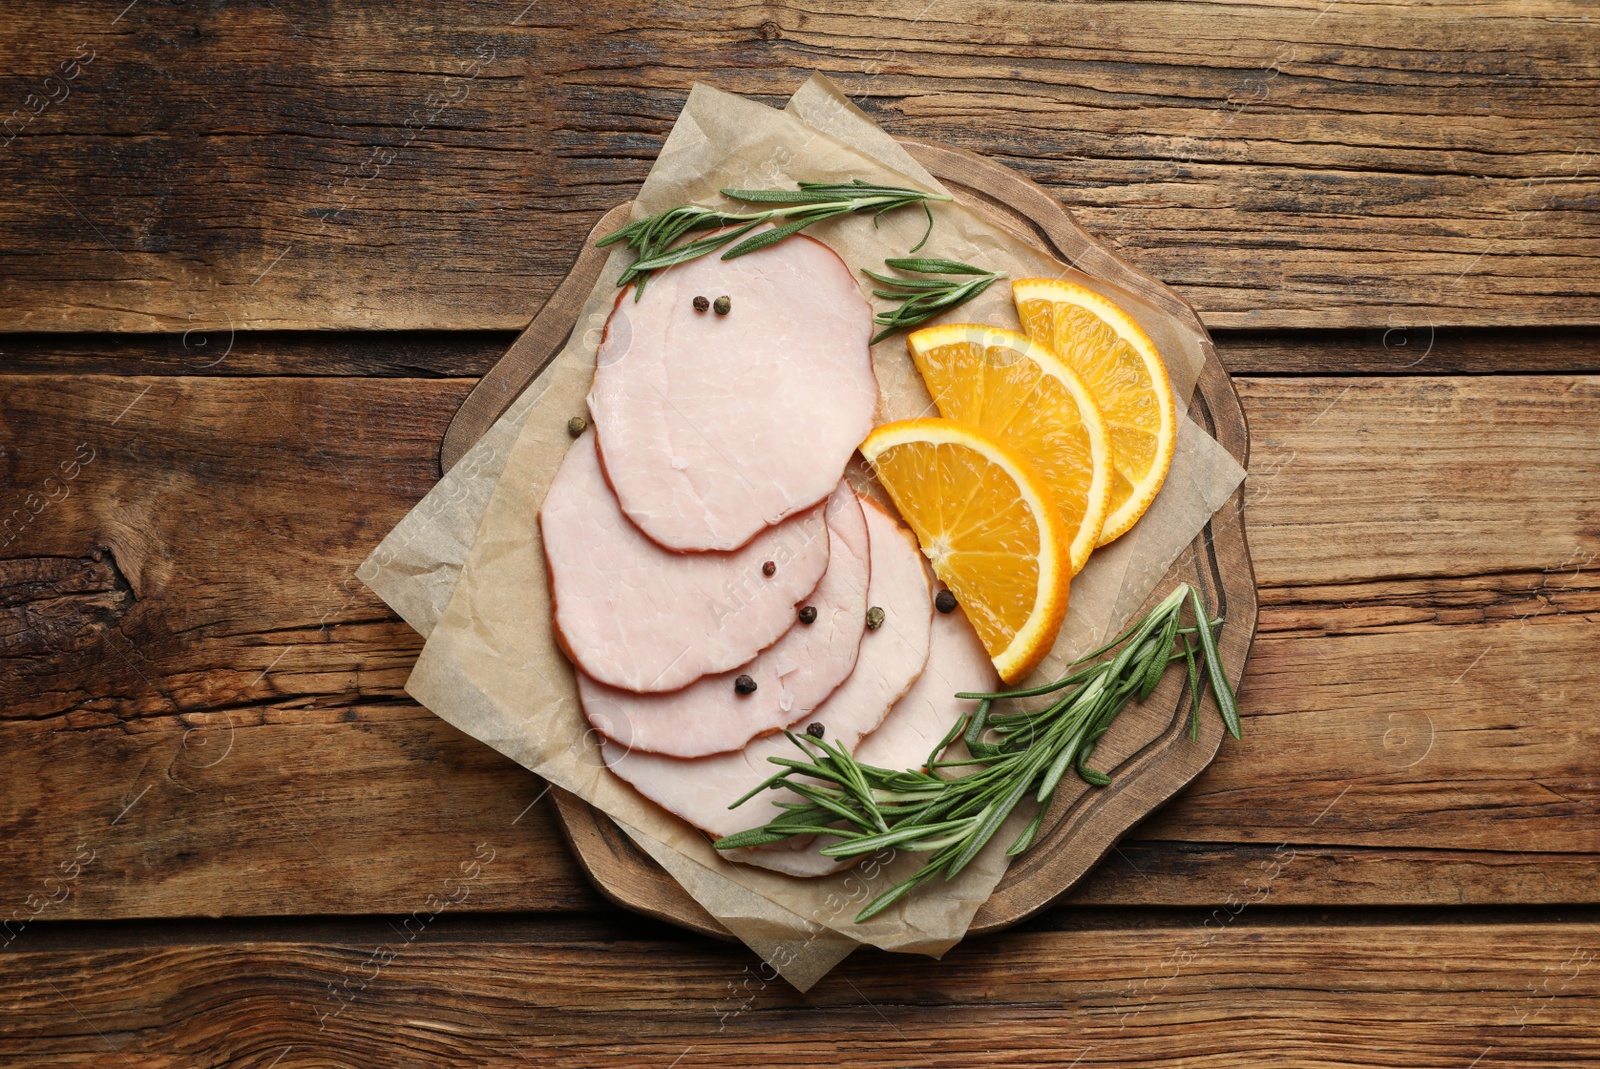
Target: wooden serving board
{"type": "Point", "coordinates": [1148, 751]}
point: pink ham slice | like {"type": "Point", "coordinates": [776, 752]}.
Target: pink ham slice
{"type": "Point", "coordinates": [713, 427]}
{"type": "Point", "coordinates": [793, 676]}
{"type": "Point", "coordinates": [640, 617]}
{"type": "Point", "coordinates": [891, 659]}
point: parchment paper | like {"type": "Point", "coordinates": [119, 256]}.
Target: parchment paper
{"type": "Point", "coordinates": [478, 588]}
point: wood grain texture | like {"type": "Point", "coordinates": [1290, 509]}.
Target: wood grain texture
{"type": "Point", "coordinates": [1464, 736]}
{"type": "Point", "coordinates": [410, 354]}
{"type": "Point", "coordinates": [228, 516]}
{"type": "Point", "coordinates": [1254, 989]}
{"type": "Point", "coordinates": [1154, 872]}
{"type": "Point", "coordinates": [1283, 163]}
{"type": "Point", "coordinates": [1371, 478]}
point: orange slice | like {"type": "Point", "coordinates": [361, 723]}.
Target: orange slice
{"type": "Point", "coordinates": [1119, 362]}
{"type": "Point", "coordinates": [985, 519]}
{"type": "Point", "coordinates": [1020, 394]}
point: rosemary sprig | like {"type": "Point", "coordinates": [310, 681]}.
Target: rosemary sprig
{"type": "Point", "coordinates": [922, 299]}
{"type": "Point", "coordinates": [1014, 755]}
{"type": "Point", "coordinates": [653, 238]}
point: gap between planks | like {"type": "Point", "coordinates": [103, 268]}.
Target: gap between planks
{"type": "Point", "coordinates": [1418, 349]}
{"type": "Point", "coordinates": [578, 926]}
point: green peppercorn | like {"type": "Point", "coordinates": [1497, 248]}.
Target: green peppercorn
{"type": "Point", "coordinates": [577, 425]}
{"type": "Point", "coordinates": [874, 618]}
{"type": "Point", "coordinates": [723, 305]}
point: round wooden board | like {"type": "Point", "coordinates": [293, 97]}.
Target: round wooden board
{"type": "Point", "coordinates": [1148, 752]}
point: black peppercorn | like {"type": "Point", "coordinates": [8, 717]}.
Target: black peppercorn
{"type": "Point", "coordinates": [769, 568]}
{"type": "Point", "coordinates": [945, 602]}
{"type": "Point", "coordinates": [808, 614]}
{"type": "Point", "coordinates": [874, 618]}
{"type": "Point", "coordinates": [723, 305]}
{"type": "Point", "coordinates": [815, 729]}
{"type": "Point", "coordinates": [701, 304]}
{"type": "Point", "coordinates": [744, 685]}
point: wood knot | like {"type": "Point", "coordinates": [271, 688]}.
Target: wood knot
{"type": "Point", "coordinates": [55, 605]}
{"type": "Point", "coordinates": [770, 31]}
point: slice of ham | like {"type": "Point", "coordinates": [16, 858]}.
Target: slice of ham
{"type": "Point", "coordinates": [640, 617]}
{"type": "Point", "coordinates": [713, 427]}
{"type": "Point", "coordinates": [891, 659]}
{"type": "Point", "coordinates": [793, 676]}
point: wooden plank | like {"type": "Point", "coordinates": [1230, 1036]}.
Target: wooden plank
{"type": "Point", "coordinates": [1156, 872]}
{"type": "Point", "coordinates": [469, 354]}
{"type": "Point", "coordinates": [1470, 736]}
{"type": "Point", "coordinates": [411, 354]}
{"type": "Point", "coordinates": [193, 670]}
{"type": "Point", "coordinates": [305, 806]}
{"type": "Point", "coordinates": [1417, 351]}
{"type": "Point", "coordinates": [1357, 479]}
{"type": "Point", "coordinates": [1282, 164]}
{"type": "Point", "coordinates": [1252, 989]}
{"type": "Point", "coordinates": [1352, 479]}
{"type": "Point", "coordinates": [1437, 713]}
{"type": "Point", "coordinates": [189, 593]}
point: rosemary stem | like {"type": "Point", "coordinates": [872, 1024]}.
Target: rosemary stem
{"type": "Point", "coordinates": [952, 817]}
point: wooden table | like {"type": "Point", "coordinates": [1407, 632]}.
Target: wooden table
{"type": "Point", "coordinates": [252, 257]}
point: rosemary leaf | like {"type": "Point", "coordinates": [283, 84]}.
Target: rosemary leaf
{"type": "Point", "coordinates": [1098, 779]}
{"type": "Point", "coordinates": [870, 844]}
{"type": "Point", "coordinates": [762, 836]}
{"type": "Point", "coordinates": [912, 284]}
{"type": "Point", "coordinates": [1194, 691]}
{"type": "Point", "coordinates": [1158, 666]}
{"type": "Point", "coordinates": [1219, 682]}
{"type": "Point", "coordinates": [767, 238]}
{"type": "Point", "coordinates": [894, 894]}
{"type": "Point", "coordinates": [949, 737]}
{"type": "Point", "coordinates": [928, 266]}
{"type": "Point", "coordinates": [1058, 768]}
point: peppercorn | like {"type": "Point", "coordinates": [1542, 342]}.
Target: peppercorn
{"type": "Point", "coordinates": [577, 425]}
{"type": "Point", "coordinates": [744, 685]}
{"type": "Point", "coordinates": [769, 568]}
{"type": "Point", "coordinates": [945, 602]}
{"type": "Point", "coordinates": [815, 729]}
{"type": "Point", "coordinates": [874, 618]}
{"type": "Point", "coordinates": [723, 305]}
{"type": "Point", "coordinates": [808, 614]}
{"type": "Point", "coordinates": [701, 304]}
